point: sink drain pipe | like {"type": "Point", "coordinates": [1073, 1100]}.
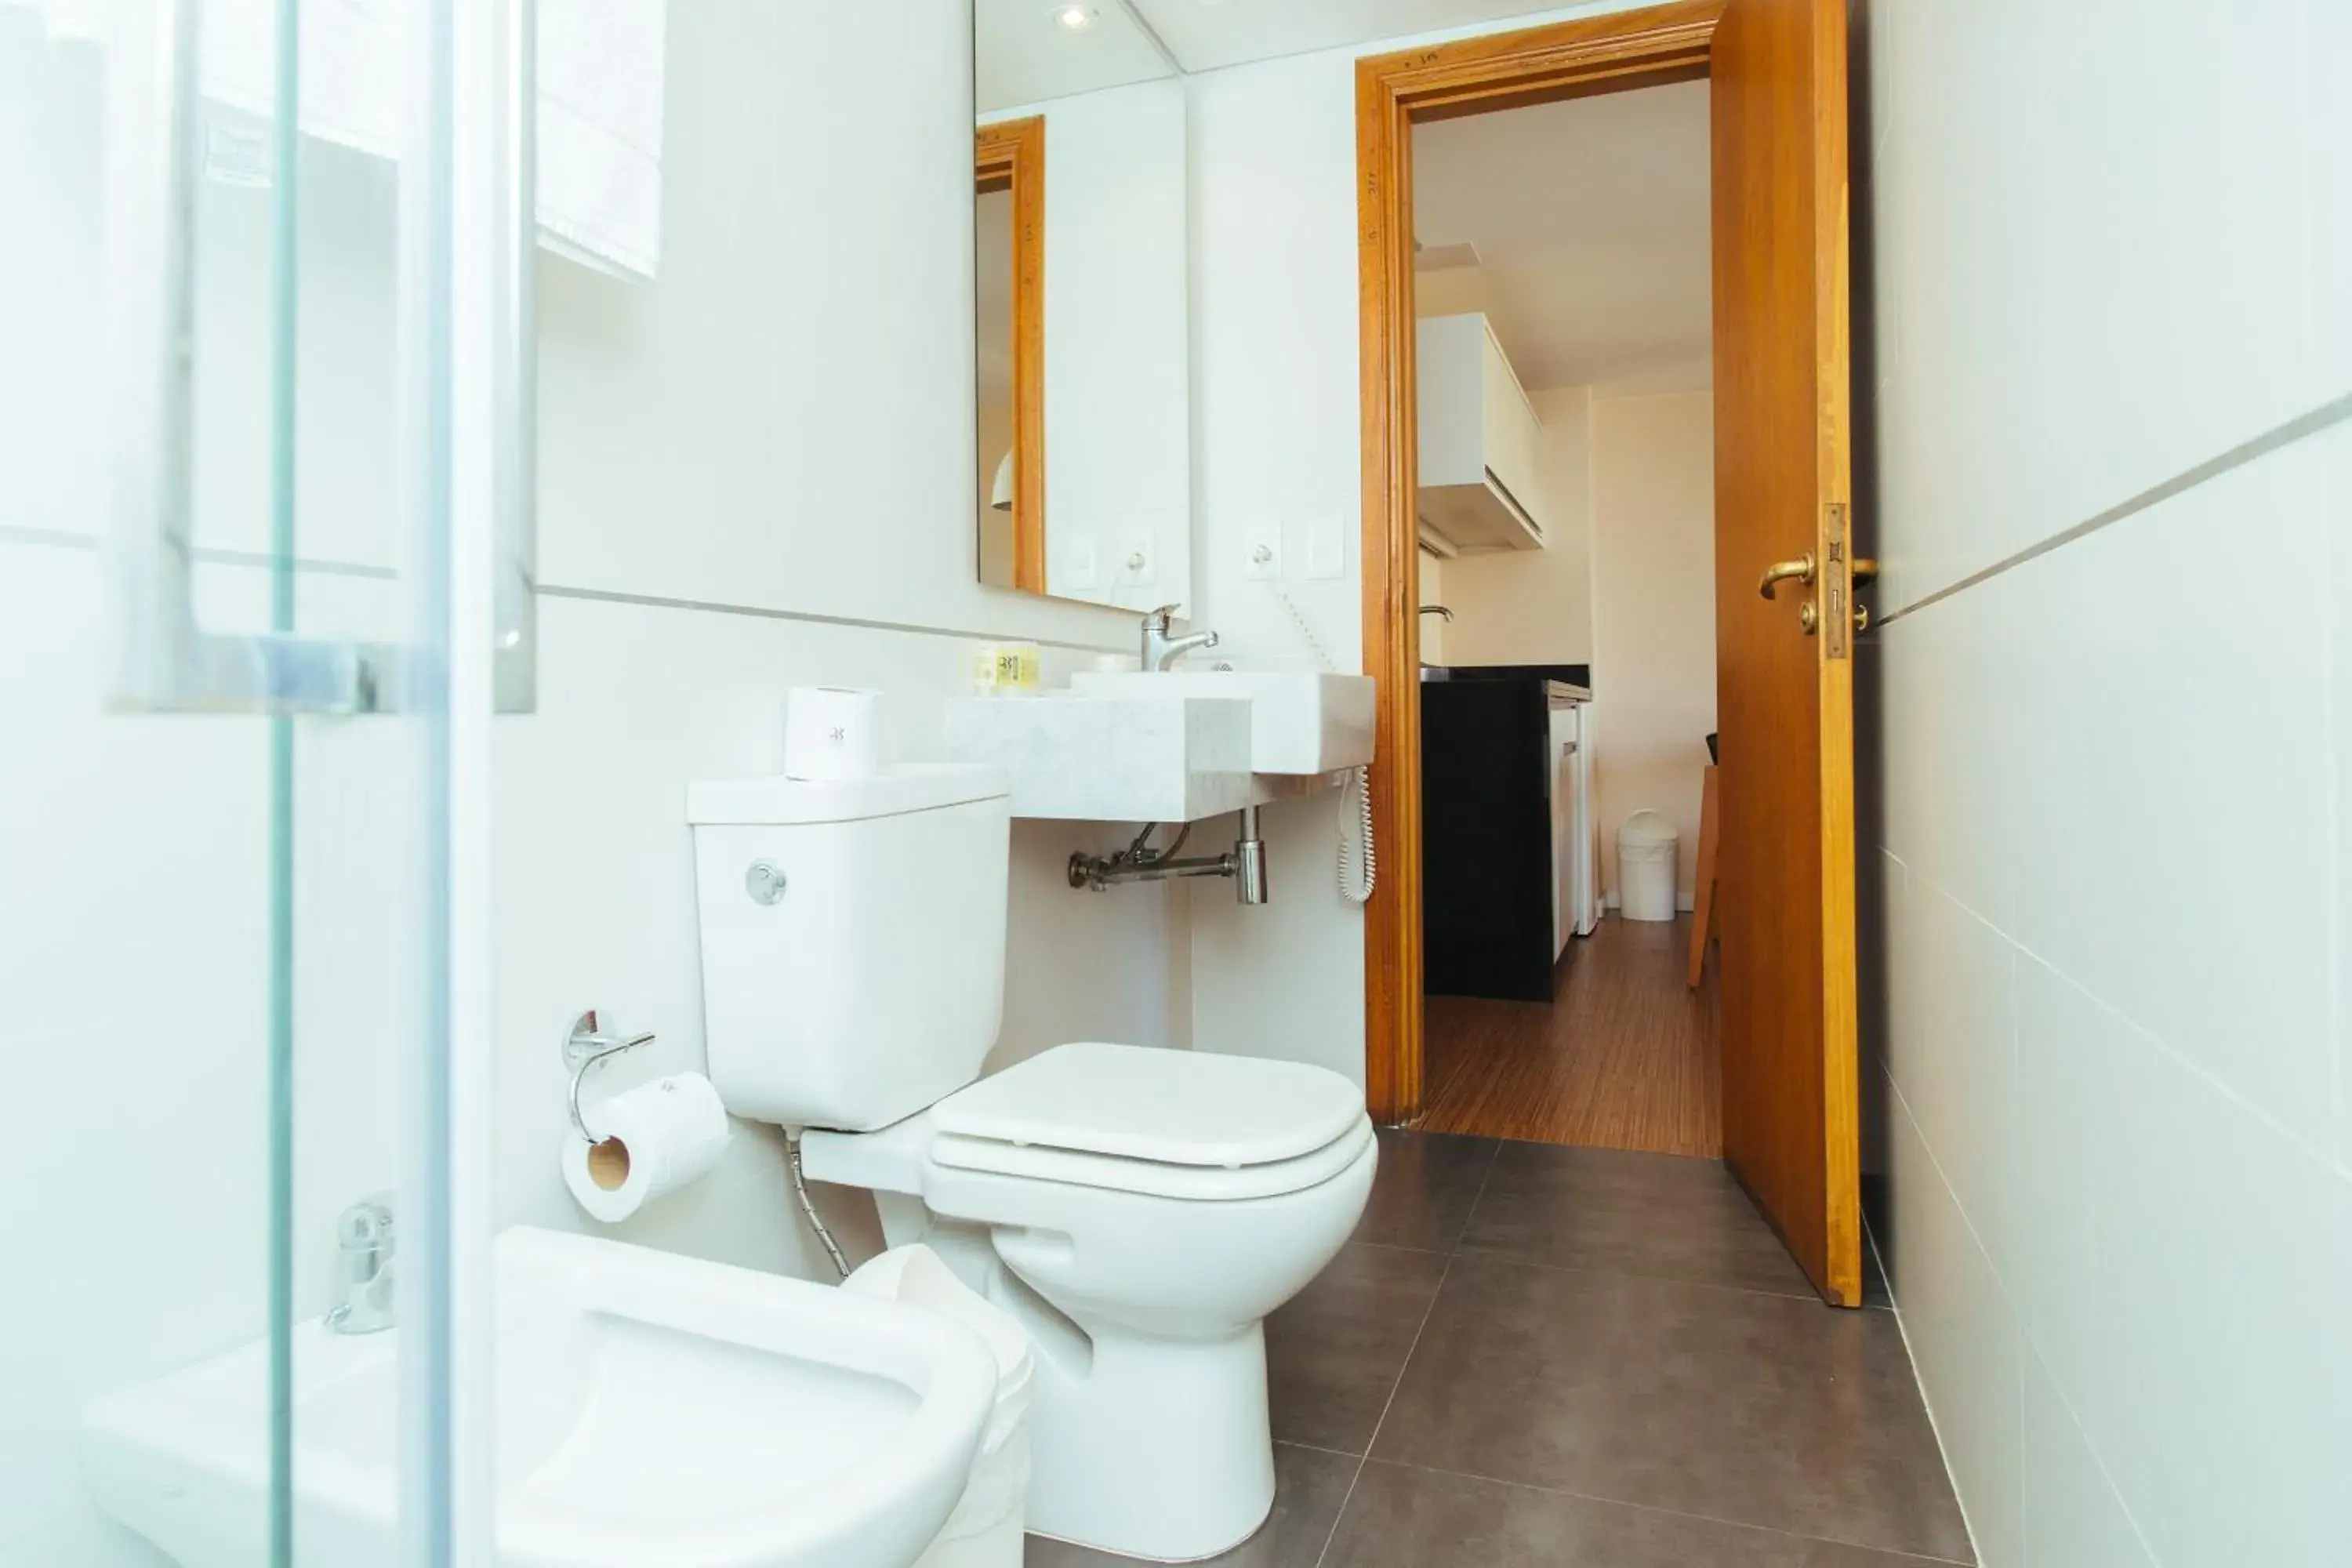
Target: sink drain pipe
{"type": "Point", "coordinates": [1138, 862]}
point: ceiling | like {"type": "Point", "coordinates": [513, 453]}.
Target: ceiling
{"type": "Point", "coordinates": [1590, 224]}
{"type": "Point", "coordinates": [1022, 55]}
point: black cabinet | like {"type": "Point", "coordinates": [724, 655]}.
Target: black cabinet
{"type": "Point", "coordinates": [1488, 866]}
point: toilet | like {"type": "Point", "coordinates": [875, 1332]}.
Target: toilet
{"type": "Point", "coordinates": [1140, 1211]}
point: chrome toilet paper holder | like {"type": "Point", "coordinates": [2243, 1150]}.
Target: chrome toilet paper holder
{"type": "Point", "coordinates": [584, 1048]}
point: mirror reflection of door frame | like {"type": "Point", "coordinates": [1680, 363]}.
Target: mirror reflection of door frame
{"type": "Point", "coordinates": [1010, 156]}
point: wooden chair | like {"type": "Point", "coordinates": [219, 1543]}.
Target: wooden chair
{"type": "Point", "coordinates": [1710, 830]}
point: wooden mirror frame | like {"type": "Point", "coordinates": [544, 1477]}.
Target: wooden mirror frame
{"type": "Point", "coordinates": [1010, 156]}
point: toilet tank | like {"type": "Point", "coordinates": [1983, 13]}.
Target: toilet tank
{"type": "Point", "coordinates": [853, 940]}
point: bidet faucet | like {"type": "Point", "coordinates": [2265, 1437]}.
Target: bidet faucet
{"type": "Point", "coordinates": [1158, 649]}
{"type": "Point", "coordinates": [363, 1248]}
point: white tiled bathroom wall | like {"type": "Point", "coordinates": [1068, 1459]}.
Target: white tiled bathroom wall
{"type": "Point", "coordinates": [2106, 247]}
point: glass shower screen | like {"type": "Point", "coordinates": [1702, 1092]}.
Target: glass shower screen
{"type": "Point", "coordinates": [235, 368]}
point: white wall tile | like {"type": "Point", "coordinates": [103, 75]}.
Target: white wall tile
{"type": "Point", "coordinates": [1947, 704]}
{"type": "Point", "coordinates": [2167, 723]}
{"type": "Point", "coordinates": [1964, 1342]}
{"type": "Point", "coordinates": [2336, 528]}
{"type": "Point", "coordinates": [2224, 1356]}
{"type": "Point", "coordinates": [2071, 1074]}
{"type": "Point", "coordinates": [2048, 212]}
{"type": "Point", "coordinates": [1953, 1052]}
{"type": "Point", "coordinates": [2087, 751]}
{"type": "Point", "coordinates": [2326, 51]}
{"type": "Point", "coordinates": [2073, 1518]}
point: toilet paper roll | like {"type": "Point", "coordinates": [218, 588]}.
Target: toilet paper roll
{"type": "Point", "coordinates": [656, 1138]}
{"type": "Point", "coordinates": [829, 732]}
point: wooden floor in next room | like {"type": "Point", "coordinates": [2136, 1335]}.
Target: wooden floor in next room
{"type": "Point", "coordinates": [1623, 1057]}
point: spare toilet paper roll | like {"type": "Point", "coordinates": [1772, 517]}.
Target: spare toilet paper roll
{"type": "Point", "coordinates": [829, 732]}
{"type": "Point", "coordinates": [656, 1138]}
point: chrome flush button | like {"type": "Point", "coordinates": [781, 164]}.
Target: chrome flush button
{"type": "Point", "coordinates": [765, 882]}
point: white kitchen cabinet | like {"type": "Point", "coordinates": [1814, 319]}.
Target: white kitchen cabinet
{"type": "Point", "coordinates": [1481, 443]}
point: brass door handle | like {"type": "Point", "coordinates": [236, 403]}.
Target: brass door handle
{"type": "Point", "coordinates": [1802, 569]}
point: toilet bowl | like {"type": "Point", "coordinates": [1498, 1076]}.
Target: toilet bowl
{"type": "Point", "coordinates": [1140, 1211]}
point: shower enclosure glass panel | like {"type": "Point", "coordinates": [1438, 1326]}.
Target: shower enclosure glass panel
{"type": "Point", "coordinates": [227, 363]}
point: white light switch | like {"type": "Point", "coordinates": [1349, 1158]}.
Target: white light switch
{"type": "Point", "coordinates": [1079, 556]}
{"type": "Point", "coordinates": [1326, 550]}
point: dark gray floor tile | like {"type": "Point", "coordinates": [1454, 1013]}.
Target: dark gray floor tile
{"type": "Point", "coordinates": [1734, 1404]}
{"type": "Point", "coordinates": [1404, 1518]}
{"type": "Point", "coordinates": [1662, 1216]}
{"type": "Point", "coordinates": [1333, 1354]}
{"type": "Point", "coordinates": [1426, 1183]}
{"type": "Point", "coordinates": [1308, 1488]}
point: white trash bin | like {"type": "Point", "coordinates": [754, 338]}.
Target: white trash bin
{"type": "Point", "coordinates": [987, 1527]}
{"type": "Point", "coordinates": [1647, 846]}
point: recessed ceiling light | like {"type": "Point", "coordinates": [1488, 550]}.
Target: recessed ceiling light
{"type": "Point", "coordinates": [1074, 18]}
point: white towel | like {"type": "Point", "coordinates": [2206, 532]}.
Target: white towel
{"type": "Point", "coordinates": [600, 131]}
{"type": "Point", "coordinates": [600, 100]}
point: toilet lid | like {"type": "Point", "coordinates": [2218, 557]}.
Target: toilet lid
{"type": "Point", "coordinates": [1143, 1103]}
{"type": "Point", "coordinates": [1147, 1178]}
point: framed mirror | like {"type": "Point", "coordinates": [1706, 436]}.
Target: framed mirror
{"type": "Point", "coordinates": [1084, 397]}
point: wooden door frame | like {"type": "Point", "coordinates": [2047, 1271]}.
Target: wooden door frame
{"type": "Point", "coordinates": [1649, 48]}
{"type": "Point", "coordinates": [1010, 156]}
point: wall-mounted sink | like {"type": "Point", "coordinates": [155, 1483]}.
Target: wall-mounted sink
{"type": "Point", "coordinates": [1092, 759]}
{"type": "Point", "coordinates": [651, 1409]}
{"type": "Point", "coordinates": [1301, 721]}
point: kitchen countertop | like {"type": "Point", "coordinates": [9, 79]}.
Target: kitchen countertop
{"type": "Point", "coordinates": [1579, 675]}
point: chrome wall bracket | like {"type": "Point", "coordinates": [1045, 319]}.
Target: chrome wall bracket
{"type": "Point", "coordinates": [584, 1048]}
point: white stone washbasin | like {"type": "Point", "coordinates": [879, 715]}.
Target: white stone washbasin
{"type": "Point", "coordinates": [651, 1409]}
{"type": "Point", "coordinates": [1301, 721]}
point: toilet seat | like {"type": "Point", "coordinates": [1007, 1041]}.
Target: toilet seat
{"type": "Point", "coordinates": [1145, 1103]}
{"type": "Point", "coordinates": [1154, 1178]}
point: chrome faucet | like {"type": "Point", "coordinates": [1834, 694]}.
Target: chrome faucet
{"type": "Point", "coordinates": [363, 1239]}
{"type": "Point", "coordinates": [1160, 650]}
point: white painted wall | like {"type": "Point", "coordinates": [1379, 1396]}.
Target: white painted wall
{"type": "Point", "coordinates": [1654, 615]}
{"type": "Point", "coordinates": [1277, 411]}
{"type": "Point", "coordinates": [1118, 386]}
{"type": "Point", "coordinates": [2111, 816]}
{"type": "Point", "coordinates": [783, 424]}
{"type": "Point", "coordinates": [1535, 606]}
{"type": "Point", "coordinates": [1275, 400]}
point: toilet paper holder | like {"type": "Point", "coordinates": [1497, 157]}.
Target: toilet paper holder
{"type": "Point", "coordinates": [584, 1048]}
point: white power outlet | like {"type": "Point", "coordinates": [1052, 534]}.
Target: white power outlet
{"type": "Point", "coordinates": [1264, 555]}
{"type": "Point", "coordinates": [1139, 563]}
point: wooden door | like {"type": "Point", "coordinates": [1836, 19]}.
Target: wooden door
{"type": "Point", "coordinates": [1785, 663]}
